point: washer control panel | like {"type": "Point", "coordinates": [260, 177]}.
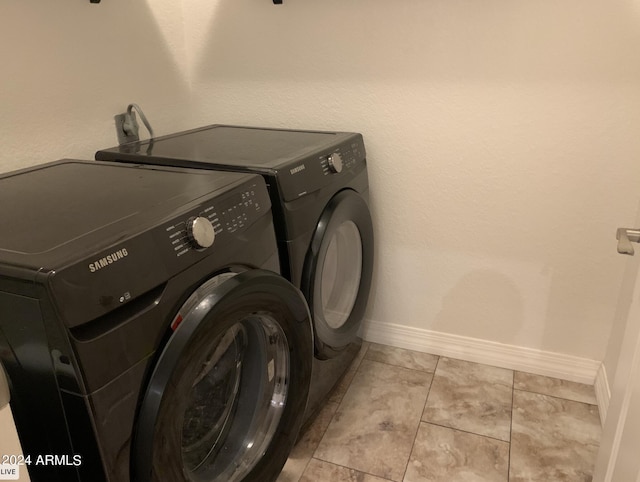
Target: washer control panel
{"type": "Point", "coordinates": [199, 229]}
{"type": "Point", "coordinates": [208, 215]}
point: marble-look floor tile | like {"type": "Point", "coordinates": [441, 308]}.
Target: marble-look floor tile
{"type": "Point", "coordinates": [446, 455]}
{"type": "Point", "coordinates": [307, 444]}
{"type": "Point", "coordinates": [471, 397]}
{"type": "Point", "coordinates": [374, 427]}
{"type": "Point", "coordinates": [320, 471]}
{"type": "Point", "coordinates": [402, 358]}
{"type": "Point", "coordinates": [343, 384]}
{"type": "Point", "coordinates": [555, 387]}
{"type": "Point", "coordinates": [552, 439]}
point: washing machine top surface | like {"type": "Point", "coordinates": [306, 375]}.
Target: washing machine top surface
{"type": "Point", "coordinates": [300, 161]}
{"type": "Point", "coordinates": [67, 208]}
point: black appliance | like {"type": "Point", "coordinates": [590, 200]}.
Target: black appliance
{"type": "Point", "coordinates": [319, 191]}
{"type": "Point", "coordinates": [144, 332]}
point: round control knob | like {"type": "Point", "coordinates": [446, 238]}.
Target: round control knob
{"type": "Point", "coordinates": [335, 162]}
{"type": "Point", "coordinates": [200, 232]}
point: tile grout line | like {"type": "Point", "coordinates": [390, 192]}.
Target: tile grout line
{"type": "Point", "coordinates": [305, 468]}
{"type": "Point", "coordinates": [351, 468]}
{"type": "Point", "coordinates": [390, 363]}
{"type": "Point", "coordinates": [356, 369]}
{"type": "Point", "coordinates": [426, 422]}
{"type": "Point", "coordinates": [556, 397]}
{"type": "Point", "coordinates": [424, 406]}
{"type": "Point", "coordinates": [365, 356]}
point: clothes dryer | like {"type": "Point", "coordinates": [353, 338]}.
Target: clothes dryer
{"type": "Point", "coordinates": [319, 191]}
{"type": "Point", "coordinates": [143, 330]}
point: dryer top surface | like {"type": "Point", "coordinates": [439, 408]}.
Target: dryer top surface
{"type": "Point", "coordinates": [259, 149]}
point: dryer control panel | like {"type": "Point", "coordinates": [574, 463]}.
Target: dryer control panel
{"type": "Point", "coordinates": [346, 158]}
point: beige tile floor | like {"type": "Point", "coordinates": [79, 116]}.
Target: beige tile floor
{"type": "Point", "coordinates": [405, 416]}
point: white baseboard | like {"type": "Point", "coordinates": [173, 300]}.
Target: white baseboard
{"type": "Point", "coordinates": [603, 392]}
{"type": "Point", "coordinates": [565, 367]}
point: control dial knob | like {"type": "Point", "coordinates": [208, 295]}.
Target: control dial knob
{"type": "Point", "coordinates": [335, 162]}
{"type": "Point", "coordinates": [200, 232]}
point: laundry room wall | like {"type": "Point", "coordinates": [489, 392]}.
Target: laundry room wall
{"type": "Point", "coordinates": [69, 67]}
{"type": "Point", "coordinates": [502, 143]}
{"type": "Point", "coordinates": [502, 136]}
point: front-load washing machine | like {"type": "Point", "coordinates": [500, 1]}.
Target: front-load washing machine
{"type": "Point", "coordinates": [319, 191]}
{"type": "Point", "coordinates": [143, 330]}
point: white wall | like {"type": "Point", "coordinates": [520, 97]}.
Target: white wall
{"type": "Point", "coordinates": [502, 138]}
{"type": "Point", "coordinates": [69, 67]}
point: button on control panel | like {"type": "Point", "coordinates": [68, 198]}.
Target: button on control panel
{"type": "Point", "coordinates": [235, 215]}
{"type": "Point", "coordinates": [334, 161]}
{"type": "Point", "coordinates": [198, 230]}
{"type": "Point", "coordinates": [345, 157]}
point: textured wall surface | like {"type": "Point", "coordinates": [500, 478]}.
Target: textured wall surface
{"type": "Point", "coordinates": [502, 139]}
{"type": "Point", "coordinates": [69, 67]}
{"type": "Point", "coordinates": [502, 136]}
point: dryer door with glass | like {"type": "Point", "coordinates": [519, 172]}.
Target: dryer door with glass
{"type": "Point", "coordinates": [337, 275]}
{"type": "Point", "coordinates": [227, 394]}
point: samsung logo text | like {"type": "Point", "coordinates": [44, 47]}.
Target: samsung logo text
{"type": "Point", "coordinates": [107, 260]}
{"type": "Point", "coordinates": [297, 169]}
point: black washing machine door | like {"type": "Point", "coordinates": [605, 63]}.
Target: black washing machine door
{"type": "Point", "coordinates": [227, 395]}
{"type": "Point", "coordinates": [337, 275]}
